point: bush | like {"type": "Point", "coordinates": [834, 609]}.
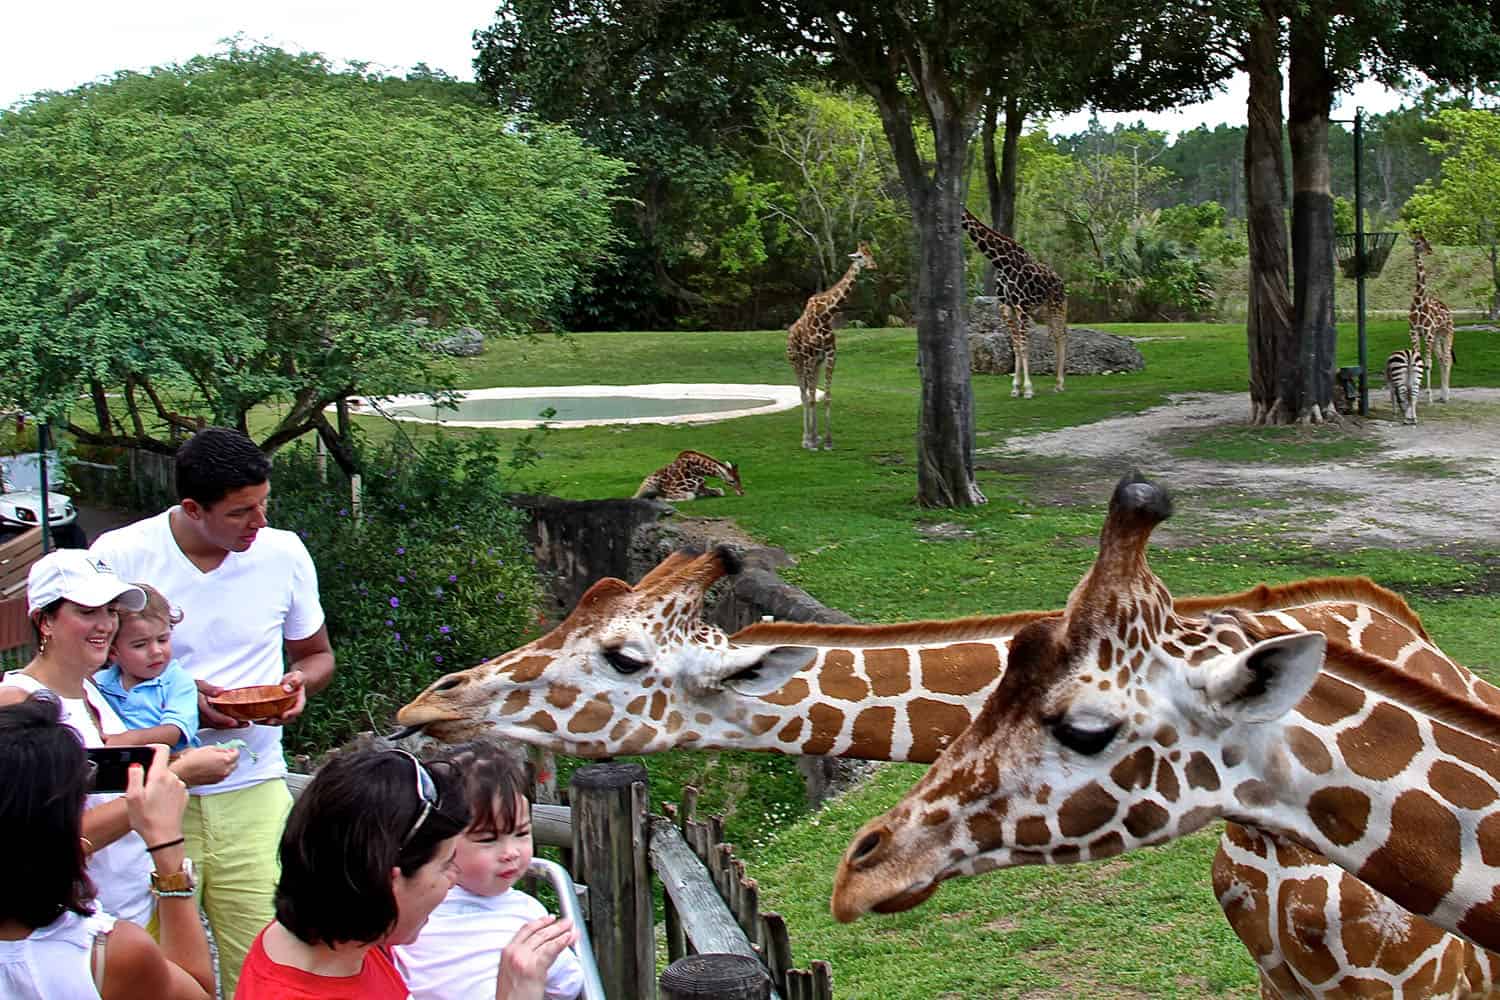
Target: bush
{"type": "Point", "coordinates": [434, 575]}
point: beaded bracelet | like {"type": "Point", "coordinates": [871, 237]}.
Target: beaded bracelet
{"type": "Point", "coordinates": [164, 844]}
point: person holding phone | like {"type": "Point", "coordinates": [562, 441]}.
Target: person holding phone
{"type": "Point", "coordinates": [55, 941]}
{"type": "Point", "coordinates": [72, 599]}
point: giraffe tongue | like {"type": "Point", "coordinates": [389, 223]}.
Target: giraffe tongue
{"type": "Point", "coordinates": [403, 733]}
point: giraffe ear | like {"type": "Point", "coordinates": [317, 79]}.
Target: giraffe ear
{"type": "Point", "coordinates": [1266, 681]}
{"type": "Point", "coordinates": [771, 670]}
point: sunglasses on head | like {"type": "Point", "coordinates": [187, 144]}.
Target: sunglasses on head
{"type": "Point", "coordinates": [427, 794]}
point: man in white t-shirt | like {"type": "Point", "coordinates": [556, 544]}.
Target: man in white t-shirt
{"type": "Point", "coordinates": [249, 595]}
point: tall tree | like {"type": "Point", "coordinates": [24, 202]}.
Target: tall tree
{"type": "Point", "coordinates": [255, 232]}
{"type": "Point", "coordinates": [1462, 204]}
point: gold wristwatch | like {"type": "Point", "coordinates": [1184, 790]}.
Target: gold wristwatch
{"type": "Point", "coordinates": [178, 883]}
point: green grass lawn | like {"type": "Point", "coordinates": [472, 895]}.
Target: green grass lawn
{"type": "Point", "coordinates": [1146, 925]}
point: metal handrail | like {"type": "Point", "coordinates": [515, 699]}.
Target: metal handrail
{"type": "Point", "coordinates": [568, 892]}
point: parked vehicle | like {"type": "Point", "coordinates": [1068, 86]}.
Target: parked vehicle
{"type": "Point", "coordinates": [21, 502]}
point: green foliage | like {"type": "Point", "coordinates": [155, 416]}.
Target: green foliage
{"type": "Point", "coordinates": [433, 575]}
{"type": "Point", "coordinates": [1462, 204]}
{"type": "Point", "coordinates": [254, 226]}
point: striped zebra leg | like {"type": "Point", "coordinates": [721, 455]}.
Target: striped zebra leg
{"type": "Point", "coordinates": [1403, 377]}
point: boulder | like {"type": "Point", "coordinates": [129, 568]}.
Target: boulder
{"type": "Point", "coordinates": [1090, 352]}
{"type": "Point", "coordinates": [465, 342]}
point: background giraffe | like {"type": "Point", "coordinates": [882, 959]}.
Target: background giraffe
{"type": "Point", "coordinates": [810, 345]}
{"type": "Point", "coordinates": [1123, 724]}
{"type": "Point", "coordinates": [1431, 321]}
{"type": "Point", "coordinates": [904, 692]}
{"type": "Point", "coordinates": [1023, 285]}
{"type": "Point", "coordinates": [682, 478]}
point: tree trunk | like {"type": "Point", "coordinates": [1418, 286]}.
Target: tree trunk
{"type": "Point", "coordinates": [945, 422]}
{"type": "Point", "coordinates": [1495, 282]}
{"type": "Point", "coordinates": [1269, 322]}
{"type": "Point", "coordinates": [1310, 102]}
{"type": "Point", "coordinates": [1000, 176]}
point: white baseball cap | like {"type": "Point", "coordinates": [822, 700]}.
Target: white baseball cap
{"type": "Point", "coordinates": [78, 576]}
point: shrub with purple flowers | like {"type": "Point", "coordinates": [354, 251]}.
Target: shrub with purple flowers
{"type": "Point", "coordinates": [436, 574]}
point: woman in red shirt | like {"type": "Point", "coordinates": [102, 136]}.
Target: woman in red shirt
{"type": "Point", "coordinates": [366, 857]}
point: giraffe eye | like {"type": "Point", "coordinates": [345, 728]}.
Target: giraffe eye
{"type": "Point", "coordinates": [1086, 741]}
{"type": "Point", "coordinates": [624, 662]}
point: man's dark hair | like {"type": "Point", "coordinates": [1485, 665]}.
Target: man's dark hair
{"type": "Point", "coordinates": [493, 781]}
{"type": "Point", "coordinates": [215, 462]}
{"type": "Point", "coordinates": [344, 836]}
{"type": "Point", "coordinates": [42, 785]}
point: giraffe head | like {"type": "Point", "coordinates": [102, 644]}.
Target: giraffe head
{"type": "Point", "coordinates": [1420, 243]}
{"type": "Point", "coordinates": [1100, 737]}
{"type": "Point", "coordinates": [616, 676]}
{"type": "Point", "coordinates": [732, 478]}
{"type": "Point", "coordinates": [863, 259]}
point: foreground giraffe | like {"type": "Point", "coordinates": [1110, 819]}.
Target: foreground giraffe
{"type": "Point", "coordinates": [634, 670]}
{"type": "Point", "coordinates": [811, 346]}
{"type": "Point", "coordinates": [1125, 723]}
{"type": "Point", "coordinates": [1431, 321]}
{"type": "Point", "coordinates": [1023, 285]}
{"type": "Point", "coordinates": [682, 478]}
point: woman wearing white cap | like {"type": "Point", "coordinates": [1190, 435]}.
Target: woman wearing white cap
{"type": "Point", "coordinates": [72, 597]}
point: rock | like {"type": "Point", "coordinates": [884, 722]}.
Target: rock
{"type": "Point", "coordinates": [466, 342]}
{"type": "Point", "coordinates": [1090, 352]}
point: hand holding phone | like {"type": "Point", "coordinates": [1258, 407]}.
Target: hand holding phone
{"type": "Point", "coordinates": [111, 765]}
{"type": "Point", "coordinates": [155, 799]}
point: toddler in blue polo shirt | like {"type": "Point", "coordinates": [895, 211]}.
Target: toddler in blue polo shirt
{"type": "Point", "coordinates": [149, 690]}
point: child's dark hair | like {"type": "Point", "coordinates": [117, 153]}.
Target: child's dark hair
{"type": "Point", "coordinates": [360, 817]}
{"type": "Point", "coordinates": [493, 779]}
{"type": "Point", "coordinates": [215, 462]}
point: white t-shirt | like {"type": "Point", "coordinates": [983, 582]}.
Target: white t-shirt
{"type": "Point", "coordinates": [457, 953]}
{"type": "Point", "coordinates": [121, 871]}
{"type": "Point", "coordinates": [54, 962]}
{"type": "Point", "coordinates": [235, 618]}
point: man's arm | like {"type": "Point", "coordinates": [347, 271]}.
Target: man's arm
{"type": "Point", "coordinates": [311, 671]}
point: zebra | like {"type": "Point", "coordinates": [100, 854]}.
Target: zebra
{"type": "Point", "coordinates": [1403, 377]}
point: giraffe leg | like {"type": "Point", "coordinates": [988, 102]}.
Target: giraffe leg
{"type": "Point", "coordinates": [828, 402]}
{"type": "Point", "coordinates": [1427, 363]}
{"type": "Point", "coordinates": [1057, 321]}
{"type": "Point", "coordinates": [807, 386]}
{"type": "Point", "coordinates": [1447, 362]}
{"type": "Point", "coordinates": [1020, 381]}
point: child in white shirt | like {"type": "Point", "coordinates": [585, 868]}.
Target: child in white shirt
{"type": "Point", "coordinates": [458, 950]}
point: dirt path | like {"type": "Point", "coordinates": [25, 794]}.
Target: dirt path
{"type": "Point", "coordinates": [1433, 486]}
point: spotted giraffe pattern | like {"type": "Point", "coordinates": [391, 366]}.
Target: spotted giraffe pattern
{"type": "Point", "coordinates": [903, 692]}
{"type": "Point", "coordinates": [812, 349]}
{"type": "Point", "coordinates": [1123, 723]}
{"type": "Point", "coordinates": [1023, 285]}
{"type": "Point", "coordinates": [683, 478]}
{"type": "Point", "coordinates": [1431, 322]}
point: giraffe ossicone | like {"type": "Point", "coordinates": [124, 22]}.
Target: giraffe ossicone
{"type": "Point", "coordinates": [639, 661]}
{"type": "Point", "coordinates": [1123, 723]}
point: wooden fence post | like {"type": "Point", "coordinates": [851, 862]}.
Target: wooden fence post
{"type": "Point", "coordinates": [720, 976]}
{"type": "Point", "coordinates": [609, 803]}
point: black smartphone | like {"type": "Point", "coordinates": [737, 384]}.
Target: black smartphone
{"type": "Point", "coordinates": [110, 765]}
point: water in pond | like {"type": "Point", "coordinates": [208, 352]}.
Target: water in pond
{"type": "Point", "coordinates": [576, 408]}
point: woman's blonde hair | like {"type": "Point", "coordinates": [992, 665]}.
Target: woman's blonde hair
{"type": "Point", "coordinates": [157, 607]}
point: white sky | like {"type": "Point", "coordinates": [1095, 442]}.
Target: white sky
{"type": "Point", "coordinates": [60, 44]}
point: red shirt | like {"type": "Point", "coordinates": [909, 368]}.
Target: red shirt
{"type": "Point", "coordinates": [263, 979]}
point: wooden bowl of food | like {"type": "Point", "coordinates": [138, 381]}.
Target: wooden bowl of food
{"type": "Point", "coordinates": [251, 704]}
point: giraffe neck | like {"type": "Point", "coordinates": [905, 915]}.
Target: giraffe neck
{"type": "Point", "coordinates": [903, 692]}
{"type": "Point", "coordinates": [835, 296]}
{"type": "Point", "coordinates": [1376, 773]}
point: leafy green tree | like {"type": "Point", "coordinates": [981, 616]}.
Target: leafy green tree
{"type": "Point", "coordinates": [256, 230]}
{"type": "Point", "coordinates": [674, 90]}
{"type": "Point", "coordinates": [1462, 204]}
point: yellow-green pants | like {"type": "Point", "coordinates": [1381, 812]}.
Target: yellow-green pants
{"type": "Point", "coordinates": [232, 838]}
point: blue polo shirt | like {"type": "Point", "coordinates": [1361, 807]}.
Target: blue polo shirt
{"type": "Point", "coordinates": [168, 699]}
